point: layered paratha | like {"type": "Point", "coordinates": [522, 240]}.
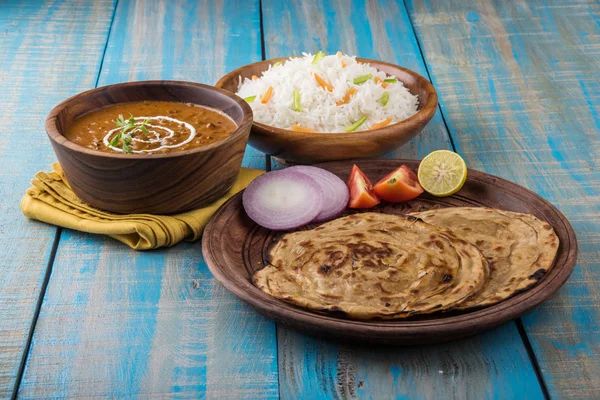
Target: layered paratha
{"type": "Point", "coordinates": [520, 248]}
{"type": "Point", "coordinates": [373, 265]}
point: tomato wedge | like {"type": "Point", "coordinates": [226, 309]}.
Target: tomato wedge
{"type": "Point", "coordinates": [361, 190]}
{"type": "Point", "coordinates": [398, 186]}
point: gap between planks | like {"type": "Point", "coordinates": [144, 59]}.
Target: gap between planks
{"type": "Point", "coordinates": [263, 56]}
{"type": "Point", "coordinates": [54, 249]}
{"type": "Point", "coordinates": [412, 27]}
{"type": "Point", "coordinates": [110, 26]}
{"type": "Point", "coordinates": [36, 313]}
{"type": "Point", "coordinates": [521, 329]}
{"type": "Point", "coordinates": [532, 358]}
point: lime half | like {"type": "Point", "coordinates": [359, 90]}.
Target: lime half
{"type": "Point", "coordinates": [442, 173]}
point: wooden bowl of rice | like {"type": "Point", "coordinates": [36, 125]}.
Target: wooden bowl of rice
{"type": "Point", "coordinates": [294, 147]}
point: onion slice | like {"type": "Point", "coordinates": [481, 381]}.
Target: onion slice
{"type": "Point", "coordinates": [335, 191]}
{"type": "Point", "coordinates": [282, 200]}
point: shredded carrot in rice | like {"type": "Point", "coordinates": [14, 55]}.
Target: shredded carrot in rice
{"type": "Point", "coordinates": [346, 97]}
{"type": "Point", "coordinates": [379, 80]}
{"type": "Point", "coordinates": [323, 83]}
{"type": "Point", "coordinates": [381, 124]}
{"type": "Point", "coordinates": [267, 95]}
{"type": "Point", "coordinates": [300, 128]}
{"type": "Point", "coordinates": [315, 93]}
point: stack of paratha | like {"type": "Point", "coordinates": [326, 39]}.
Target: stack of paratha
{"type": "Point", "coordinates": [373, 265]}
{"type": "Point", "coordinates": [519, 247]}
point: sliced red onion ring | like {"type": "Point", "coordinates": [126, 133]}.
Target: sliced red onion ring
{"type": "Point", "coordinates": [283, 200]}
{"type": "Point", "coordinates": [335, 191]}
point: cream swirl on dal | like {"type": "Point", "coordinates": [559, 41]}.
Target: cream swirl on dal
{"type": "Point", "coordinates": [153, 131]}
{"type": "Point", "coordinates": [150, 127]}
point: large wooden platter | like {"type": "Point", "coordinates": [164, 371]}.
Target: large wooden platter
{"type": "Point", "coordinates": [233, 246]}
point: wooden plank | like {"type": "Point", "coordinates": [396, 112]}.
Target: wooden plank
{"type": "Point", "coordinates": [481, 367]}
{"type": "Point", "coordinates": [468, 369]}
{"type": "Point", "coordinates": [119, 323]}
{"type": "Point", "coordinates": [48, 51]}
{"type": "Point", "coordinates": [519, 85]}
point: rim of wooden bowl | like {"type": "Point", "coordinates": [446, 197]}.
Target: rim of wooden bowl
{"type": "Point", "coordinates": [57, 137]}
{"type": "Point", "coordinates": [424, 113]}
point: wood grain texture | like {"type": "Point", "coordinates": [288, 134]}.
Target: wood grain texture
{"type": "Point", "coordinates": [117, 323]}
{"type": "Point", "coordinates": [382, 30]}
{"type": "Point", "coordinates": [312, 148]}
{"type": "Point", "coordinates": [235, 248]}
{"type": "Point", "coordinates": [328, 370]}
{"type": "Point", "coordinates": [151, 183]}
{"type": "Point", "coordinates": [39, 42]}
{"type": "Point", "coordinates": [518, 82]}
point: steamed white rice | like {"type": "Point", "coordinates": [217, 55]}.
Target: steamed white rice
{"type": "Point", "coordinates": [319, 111]}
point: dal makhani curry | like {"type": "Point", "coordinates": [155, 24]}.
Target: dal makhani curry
{"type": "Point", "coordinates": [150, 127]}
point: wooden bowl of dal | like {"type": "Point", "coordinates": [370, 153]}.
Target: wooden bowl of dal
{"type": "Point", "coordinates": [150, 183]}
{"type": "Point", "coordinates": [309, 148]}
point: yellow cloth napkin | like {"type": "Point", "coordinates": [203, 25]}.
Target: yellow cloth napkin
{"type": "Point", "coordinates": [51, 200]}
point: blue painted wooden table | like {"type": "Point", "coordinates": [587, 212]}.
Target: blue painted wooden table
{"type": "Point", "coordinates": [84, 316]}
